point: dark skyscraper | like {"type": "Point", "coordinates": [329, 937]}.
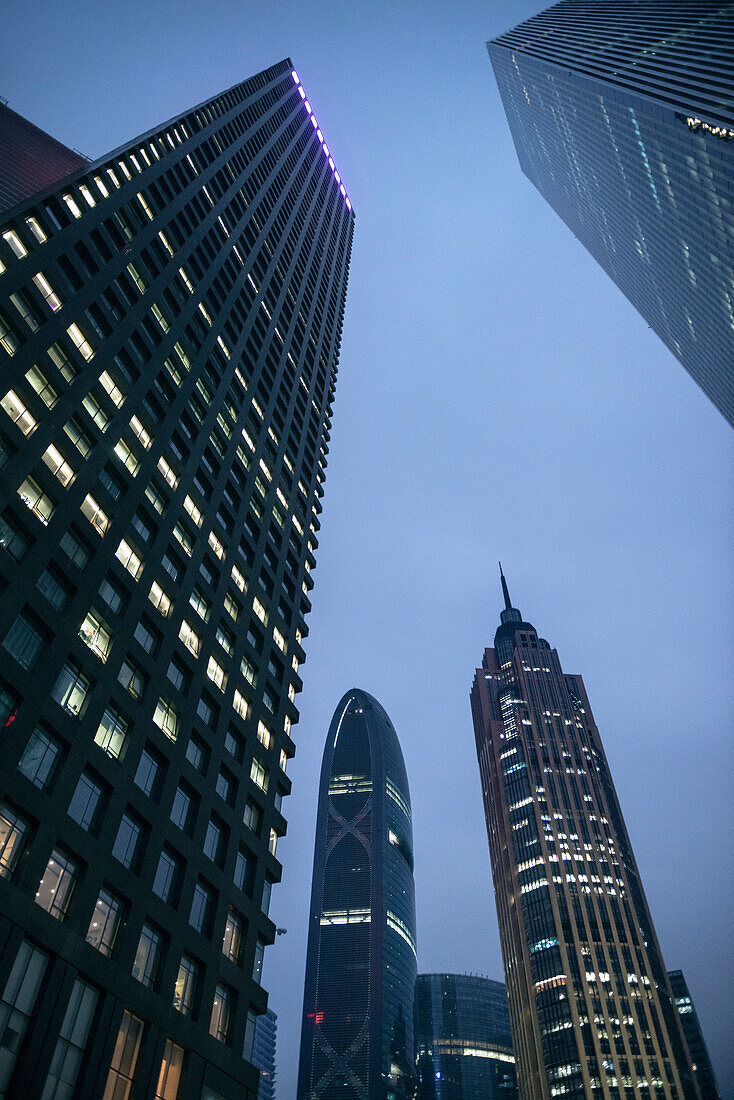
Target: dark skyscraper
{"type": "Point", "coordinates": [357, 1030]}
{"type": "Point", "coordinates": [463, 1042]}
{"type": "Point", "coordinates": [591, 1007]}
{"type": "Point", "coordinates": [170, 319]}
{"type": "Point", "coordinates": [622, 114]}
{"type": "Point", "coordinates": [702, 1068]}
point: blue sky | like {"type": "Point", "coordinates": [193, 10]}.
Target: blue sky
{"type": "Point", "coordinates": [497, 398]}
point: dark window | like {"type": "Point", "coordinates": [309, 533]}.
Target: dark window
{"type": "Point", "coordinates": [196, 753]}
{"type": "Point", "coordinates": [71, 690]}
{"type": "Point", "coordinates": [13, 829]}
{"type": "Point", "coordinates": [54, 590]}
{"type": "Point", "coordinates": [165, 884]}
{"type": "Point", "coordinates": [147, 956]}
{"type": "Point", "coordinates": [24, 641]}
{"type": "Point", "coordinates": [85, 801]}
{"type": "Point", "coordinates": [149, 773]}
{"type": "Point", "coordinates": [127, 843]}
{"type": "Point", "coordinates": [181, 809]}
{"type": "Point", "coordinates": [111, 594]}
{"type": "Point", "coordinates": [201, 908]}
{"type": "Point", "coordinates": [131, 678]}
{"type": "Point", "coordinates": [40, 758]}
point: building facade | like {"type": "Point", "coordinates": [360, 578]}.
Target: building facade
{"type": "Point", "coordinates": [622, 114]}
{"type": "Point", "coordinates": [263, 1053]}
{"type": "Point", "coordinates": [357, 1028]}
{"type": "Point", "coordinates": [700, 1061]}
{"type": "Point", "coordinates": [463, 1042]}
{"type": "Point", "coordinates": [170, 321]}
{"type": "Point", "coordinates": [591, 1007]}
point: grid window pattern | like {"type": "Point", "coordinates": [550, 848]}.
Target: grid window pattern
{"type": "Point", "coordinates": [40, 758]}
{"type": "Point", "coordinates": [124, 1059]}
{"type": "Point", "coordinates": [147, 956]}
{"type": "Point", "coordinates": [85, 801]}
{"type": "Point", "coordinates": [186, 389]}
{"type": "Point", "coordinates": [17, 1004]}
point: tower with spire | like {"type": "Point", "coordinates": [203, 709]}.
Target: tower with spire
{"type": "Point", "coordinates": [591, 1006]}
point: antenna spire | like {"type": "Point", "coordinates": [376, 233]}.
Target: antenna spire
{"type": "Point", "coordinates": [505, 592]}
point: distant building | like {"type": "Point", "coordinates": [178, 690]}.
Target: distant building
{"type": "Point", "coordinates": [462, 1038]}
{"type": "Point", "coordinates": [622, 114]}
{"type": "Point", "coordinates": [263, 1054]}
{"type": "Point", "coordinates": [702, 1068]}
{"type": "Point", "coordinates": [357, 1030]}
{"type": "Point", "coordinates": [591, 1007]}
{"type": "Point", "coordinates": [170, 320]}
{"type": "Point", "coordinates": [30, 159]}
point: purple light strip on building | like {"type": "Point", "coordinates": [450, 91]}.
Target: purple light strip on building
{"type": "Point", "coordinates": [320, 136]}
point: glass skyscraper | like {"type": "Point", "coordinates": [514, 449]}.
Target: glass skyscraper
{"type": "Point", "coordinates": [700, 1061]}
{"type": "Point", "coordinates": [622, 114]}
{"type": "Point", "coordinates": [170, 321]}
{"type": "Point", "coordinates": [591, 1006]}
{"type": "Point", "coordinates": [357, 1030]}
{"type": "Point", "coordinates": [462, 1039]}
{"type": "Point", "coordinates": [263, 1053]}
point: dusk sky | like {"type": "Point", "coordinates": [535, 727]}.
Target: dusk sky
{"type": "Point", "coordinates": [497, 398]}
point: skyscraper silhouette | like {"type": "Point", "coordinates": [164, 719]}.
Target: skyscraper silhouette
{"type": "Point", "coordinates": [170, 320]}
{"type": "Point", "coordinates": [622, 114]}
{"type": "Point", "coordinates": [591, 1006]}
{"type": "Point", "coordinates": [357, 1029]}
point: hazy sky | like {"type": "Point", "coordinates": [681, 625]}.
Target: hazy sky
{"type": "Point", "coordinates": [497, 398]}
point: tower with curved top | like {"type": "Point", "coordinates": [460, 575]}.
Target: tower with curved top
{"type": "Point", "coordinates": [357, 1028]}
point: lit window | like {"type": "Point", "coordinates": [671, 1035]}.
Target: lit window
{"type": "Point", "coordinates": [200, 604]}
{"type": "Point", "coordinates": [187, 980]}
{"type": "Point", "coordinates": [98, 519]}
{"type": "Point", "coordinates": [140, 432]}
{"type": "Point", "coordinates": [136, 278]}
{"type": "Point", "coordinates": [259, 775]}
{"type": "Point", "coordinates": [94, 633]}
{"type": "Point", "coordinates": [216, 673]}
{"type": "Point", "coordinates": [88, 196]}
{"type": "Point", "coordinates": [160, 317]}
{"type": "Point", "coordinates": [167, 471]}
{"type": "Point", "coordinates": [81, 342]}
{"type": "Point", "coordinates": [127, 456]}
{"type": "Point", "coordinates": [193, 511]}
{"type": "Point", "coordinates": [50, 296]}
{"type": "Point", "coordinates": [12, 831]}
{"type": "Point", "coordinates": [169, 1077]}
{"type": "Point", "coordinates": [240, 704]}
{"type": "Point", "coordinates": [219, 1022]}
{"type": "Point", "coordinates": [189, 637]}
{"type": "Point", "coordinates": [111, 733]}
{"type": "Point", "coordinates": [264, 735]}
{"type": "Point", "coordinates": [131, 678]}
{"type": "Point", "coordinates": [159, 599]}
{"type": "Point", "coordinates": [112, 389]}
{"type": "Point", "coordinates": [260, 611]}
{"type": "Point", "coordinates": [16, 244]}
{"type": "Point", "coordinates": [39, 503]}
{"type": "Point", "coordinates": [105, 922]}
{"type": "Point", "coordinates": [184, 539]}
{"type": "Point", "coordinates": [279, 640]}
{"type": "Point", "coordinates": [42, 386]}
{"type": "Point", "coordinates": [216, 545]}
{"type": "Point", "coordinates": [124, 1059]}
{"type": "Point", "coordinates": [233, 937]}
{"type": "Point", "coordinates": [96, 412]}
{"type": "Point", "coordinates": [231, 606]}
{"type": "Point", "coordinates": [57, 885]}
{"type": "Point", "coordinates": [61, 360]}
{"type": "Point", "coordinates": [131, 561]}
{"type": "Point", "coordinates": [166, 718]}
{"type": "Point", "coordinates": [165, 242]}
{"type": "Point", "coordinates": [272, 842]}
{"type": "Point", "coordinates": [58, 465]}
{"type": "Point", "coordinates": [238, 579]}
{"type": "Point", "coordinates": [18, 412]}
